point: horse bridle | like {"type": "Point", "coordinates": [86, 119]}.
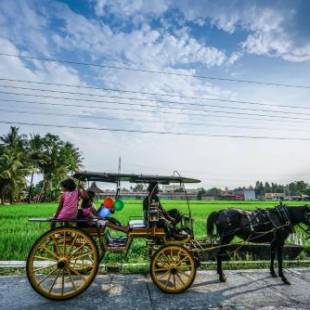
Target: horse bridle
{"type": "Point", "coordinates": [307, 215]}
{"type": "Point", "coordinates": [307, 222]}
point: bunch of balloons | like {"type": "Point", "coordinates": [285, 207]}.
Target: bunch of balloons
{"type": "Point", "coordinates": [109, 205]}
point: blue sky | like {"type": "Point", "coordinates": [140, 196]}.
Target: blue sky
{"type": "Point", "coordinates": [255, 40]}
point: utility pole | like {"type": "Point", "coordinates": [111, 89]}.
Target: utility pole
{"type": "Point", "coordinates": [119, 164]}
{"type": "Point", "coordinates": [118, 181]}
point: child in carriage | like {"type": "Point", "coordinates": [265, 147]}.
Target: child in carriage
{"type": "Point", "coordinates": [69, 199]}
{"type": "Point", "coordinates": [88, 207]}
{"type": "Point", "coordinates": [88, 211]}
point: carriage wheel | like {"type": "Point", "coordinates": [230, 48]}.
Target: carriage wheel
{"type": "Point", "coordinates": [62, 263]}
{"type": "Point", "coordinates": [173, 269]}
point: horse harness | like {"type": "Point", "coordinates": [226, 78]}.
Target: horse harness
{"type": "Point", "coordinates": [277, 217]}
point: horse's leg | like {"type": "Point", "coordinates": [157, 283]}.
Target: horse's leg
{"type": "Point", "coordinates": [272, 257]}
{"type": "Point", "coordinates": [219, 268]}
{"type": "Point", "coordinates": [280, 261]}
{"type": "Point", "coordinates": [219, 258]}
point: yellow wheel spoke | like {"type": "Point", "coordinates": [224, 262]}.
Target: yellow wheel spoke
{"type": "Point", "coordinates": [81, 264]}
{"type": "Point", "coordinates": [62, 282]}
{"type": "Point", "coordinates": [81, 255]}
{"type": "Point", "coordinates": [174, 281]}
{"type": "Point", "coordinates": [164, 274]}
{"type": "Point", "coordinates": [72, 243]}
{"type": "Point", "coordinates": [70, 276]}
{"type": "Point", "coordinates": [76, 250]}
{"type": "Point", "coordinates": [41, 268]}
{"type": "Point", "coordinates": [77, 273]}
{"type": "Point", "coordinates": [185, 274]}
{"type": "Point", "coordinates": [161, 269]}
{"type": "Point", "coordinates": [182, 260]}
{"type": "Point", "coordinates": [47, 276]}
{"type": "Point", "coordinates": [168, 280]}
{"type": "Point", "coordinates": [54, 282]}
{"type": "Point", "coordinates": [45, 258]}
{"type": "Point", "coordinates": [179, 277]}
{"type": "Point", "coordinates": [49, 251]}
{"type": "Point", "coordinates": [55, 244]}
{"type": "Point", "coordinates": [64, 245]}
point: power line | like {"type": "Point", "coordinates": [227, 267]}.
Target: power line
{"type": "Point", "coordinates": [109, 118]}
{"type": "Point", "coordinates": [122, 109]}
{"type": "Point", "coordinates": [126, 68]}
{"type": "Point", "coordinates": [175, 133]}
{"type": "Point", "coordinates": [172, 101]}
{"type": "Point", "coordinates": [158, 107]}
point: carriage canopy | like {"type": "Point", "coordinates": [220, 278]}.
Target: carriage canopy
{"type": "Point", "coordinates": [132, 178]}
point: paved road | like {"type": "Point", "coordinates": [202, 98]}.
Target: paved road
{"type": "Point", "coordinates": [244, 290]}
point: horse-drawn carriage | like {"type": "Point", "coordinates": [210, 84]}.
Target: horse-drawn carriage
{"type": "Point", "coordinates": [64, 261]}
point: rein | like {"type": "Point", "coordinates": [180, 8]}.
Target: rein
{"type": "Point", "coordinates": [261, 235]}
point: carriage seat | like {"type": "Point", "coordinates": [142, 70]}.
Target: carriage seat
{"type": "Point", "coordinates": [136, 224]}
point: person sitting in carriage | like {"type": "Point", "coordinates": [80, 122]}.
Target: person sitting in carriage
{"type": "Point", "coordinates": [69, 199]}
{"type": "Point", "coordinates": [168, 219]}
{"type": "Point", "coordinates": [88, 211]}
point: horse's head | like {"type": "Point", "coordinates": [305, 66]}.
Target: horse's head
{"type": "Point", "coordinates": [299, 215]}
{"type": "Point", "coordinates": [306, 215]}
{"type": "Point", "coordinates": [306, 218]}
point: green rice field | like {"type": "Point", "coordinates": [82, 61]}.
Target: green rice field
{"type": "Point", "coordinates": [17, 234]}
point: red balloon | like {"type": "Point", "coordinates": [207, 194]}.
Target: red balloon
{"type": "Point", "coordinates": [108, 202]}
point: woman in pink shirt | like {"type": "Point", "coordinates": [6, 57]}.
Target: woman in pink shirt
{"type": "Point", "coordinates": [68, 204]}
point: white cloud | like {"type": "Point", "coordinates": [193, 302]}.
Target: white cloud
{"type": "Point", "coordinates": [28, 30]}
{"type": "Point", "coordinates": [143, 46]}
{"type": "Point", "coordinates": [130, 7]}
{"type": "Point", "coordinates": [269, 25]}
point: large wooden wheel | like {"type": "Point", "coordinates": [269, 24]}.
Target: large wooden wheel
{"type": "Point", "coordinates": [173, 269]}
{"type": "Point", "coordinates": [62, 263]}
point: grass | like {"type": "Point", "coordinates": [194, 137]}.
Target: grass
{"type": "Point", "coordinates": [17, 234]}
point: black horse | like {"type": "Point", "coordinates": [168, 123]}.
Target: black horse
{"type": "Point", "coordinates": [261, 226]}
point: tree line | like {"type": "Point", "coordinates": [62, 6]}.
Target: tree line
{"type": "Point", "coordinates": [296, 188]}
{"type": "Point", "coordinates": [22, 156]}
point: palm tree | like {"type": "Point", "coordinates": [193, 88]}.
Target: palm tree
{"type": "Point", "coordinates": [12, 174]}
{"type": "Point", "coordinates": [57, 159]}
{"type": "Point", "coordinates": [13, 139]}
{"type": "Point", "coordinates": [13, 164]}
{"type": "Point", "coordinates": [21, 157]}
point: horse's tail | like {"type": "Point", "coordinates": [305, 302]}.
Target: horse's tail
{"type": "Point", "coordinates": [212, 218]}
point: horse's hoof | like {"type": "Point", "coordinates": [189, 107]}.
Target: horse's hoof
{"type": "Point", "coordinates": [273, 274]}
{"type": "Point", "coordinates": [286, 281]}
{"type": "Point", "coordinates": [222, 278]}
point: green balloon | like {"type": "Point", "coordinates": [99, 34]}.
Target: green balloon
{"type": "Point", "coordinates": [119, 205]}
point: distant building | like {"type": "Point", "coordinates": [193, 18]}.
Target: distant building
{"type": "Point", "coordinates": [274, 196]}
{"type": "Point", "coordinates": [227, 196]}
{"type": "Point", "coordinates": [298, 197]}
{"type": "Point", "coordinates": [209, 197]}
{"type": "Point", "coordinates": [171, 188]}
{"type": "Point", "coordinates": [249, 195]}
